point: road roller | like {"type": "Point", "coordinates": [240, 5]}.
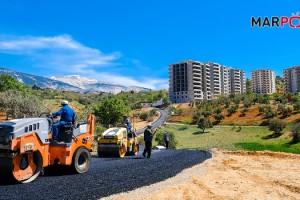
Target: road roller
{"type": "Point", "coordinates": [118, 142]}
{"type": "Point", "coordinates": [26, 147]}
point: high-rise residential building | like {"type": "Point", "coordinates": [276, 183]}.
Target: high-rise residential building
{"type": "Point", "coordinates": [237, 79]}
{"type": "Point", "coordinates": [191, 80]}
{"type": "Point", "coordinates": [263, 81]}
{"type": "Point", "coordinates": [292, 79]}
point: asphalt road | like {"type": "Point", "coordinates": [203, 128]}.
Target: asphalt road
{"type": "Point", "coordinates": [162, 118]}
{"type": "Point", "coordinates": [107, 176]}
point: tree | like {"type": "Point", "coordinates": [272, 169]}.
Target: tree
{"type": "Point", "coordinates": [219, 117]}
{"type": "Point", "coordinates": [218, 110]}
{"type": "Point", "coordinates": [206, 113]}
{"type": "Point", "coordinates": [204, 123]}
{"type": "Point", "coordinates": [166, 101]}
{"type": "Point", "coordinates": [248, 86]}
{"type": "Point", "coordinates": [7, 82]}
{"type": "Point", "coordinates": [276, 125]}
{"type": "Point", "coordinates": [110, 111]}
{"type": "Point", "coordinates": [247, 102]}
{"type": "Point", "coordinates": [17, 105]}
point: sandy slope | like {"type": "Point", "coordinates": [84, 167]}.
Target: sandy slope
{"type": "Point", "coordinates": [230, 175]}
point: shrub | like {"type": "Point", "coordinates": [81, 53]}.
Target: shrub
{"type": "Point", "coordinates": [219, 117]}
{"type": "Point", "coordinates": [152, 112]}
{"type": "Point", "coordinates": [206, 113]}
{"type": "Point", "coordinates": [244, 110]}
{"type": "Point", "coordinates": [218, 110]}
{"type": "Point", "coordinates": [141, 140]}
{"type": "Point", "coordinates": [280, 108]}
{"type": "Point", "coordinates": [296, 106]}
{"type": "Point", "coordinates": [231, 110]}
{"type": "Point", "coordinates": [276, 125]}
{"type": "Point", "coordinates": [295, 133]}
{"type": "Point", "coordinates": [144, 116]}
{"type": "Point", "coordinates": [187, 121]}
{"type": "Point", "coordinates": [179, 111]}
{"type": "Point", "coordinates": [286, 112]}
{"type": "Point", "coordinates": [159, 137]}
{"type": "Point", "coordinates": [261, 109]}
{"type": "Point", "coordinates": [227, 103]}
{"type": "Point", "coordinates": [269, 114]}
{"type": "Point", "coordinates": [149, 119]}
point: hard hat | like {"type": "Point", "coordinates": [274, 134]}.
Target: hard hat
{"type": "Point", "coordinates": [149, 125]}
{"type": "Point", "coordinates": [64, 102]}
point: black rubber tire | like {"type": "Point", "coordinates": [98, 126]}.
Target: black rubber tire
{"type": "Point", "coordinates": [81, 161]}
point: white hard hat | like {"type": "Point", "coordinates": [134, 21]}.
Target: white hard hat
{"type": "Point", "coordinates": [149, 125]}
{"type": "Point", "coordinates": [64, 102]}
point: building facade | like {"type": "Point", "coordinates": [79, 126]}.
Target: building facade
{"type": "Point", "coordinates": [193, 80]}
{"type": "Point", "coordinates": [263, 81]}
{"type": "Point", "coordinates": [292, 79]}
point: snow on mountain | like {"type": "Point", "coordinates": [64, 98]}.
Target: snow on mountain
{"type": "Point", "coordinates": [73, 83]}
{"type": "Point", "coordinates": [93, 85]}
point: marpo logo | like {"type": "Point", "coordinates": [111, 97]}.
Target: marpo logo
{"type": "Point", "coordinates": [293, 21]}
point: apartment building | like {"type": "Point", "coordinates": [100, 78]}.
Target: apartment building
{"type": "Point", "coordinates": [237, 81]}
{"type": "Point", "coordinates": [292, 79]}
{"type": "Point", "coordinates": [191, 80]}
{"type": "Point", "coordinates": [263, 81]}
{"type": "Point", "coordinates": [185, 81]}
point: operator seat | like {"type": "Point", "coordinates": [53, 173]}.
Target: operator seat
{"type": "Point", "coordinates": [65, 133]}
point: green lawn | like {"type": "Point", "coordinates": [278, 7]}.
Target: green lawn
{"type": "Point", "coordinates": [227, 137]}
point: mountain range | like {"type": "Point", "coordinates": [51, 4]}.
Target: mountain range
{"type": "Point", "coordinates": [73, 83]}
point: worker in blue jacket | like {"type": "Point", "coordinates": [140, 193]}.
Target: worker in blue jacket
{"type": "Point", "coordinates": [67, 116]}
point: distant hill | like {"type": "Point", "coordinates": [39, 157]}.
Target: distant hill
{"type": "Point", "coordinates": [73, 83]}
{"type": "Point", "coordinates": [93, 85]}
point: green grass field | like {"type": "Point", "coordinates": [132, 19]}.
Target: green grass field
{"type": "Point", "coordinates": [229, 138]}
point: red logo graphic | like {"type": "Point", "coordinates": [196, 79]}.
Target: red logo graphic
{"type": "Point", "coordinates": [275, 21]}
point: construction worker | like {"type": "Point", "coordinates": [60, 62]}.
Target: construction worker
{"type": "Point", "coordinates": [127, 122]}
{"type": "Point", "coordinates": [166, 139]}
{"type": "Point", "coordinates": [67, 116]}
{"type": "Point", "coordinates": [148, 136]}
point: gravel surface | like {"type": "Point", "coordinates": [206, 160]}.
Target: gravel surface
{"type": "Point", "coordinates": [108, 176]}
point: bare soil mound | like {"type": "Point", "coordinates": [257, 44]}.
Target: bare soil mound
{"type": "Point", "coordinates": [230, 175]}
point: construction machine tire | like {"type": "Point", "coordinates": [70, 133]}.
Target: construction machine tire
{"type": "Point", "coordinates": [81, 160]}
{"type": "Point", "coordinates": [23, 168]}
{"type": "Point", "coordinates": [135, 150]}
{"type": "Point", "coordinates": [122, 151]}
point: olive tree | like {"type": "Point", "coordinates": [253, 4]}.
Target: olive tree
{"type": "Point", "coordinates": [110, 111]}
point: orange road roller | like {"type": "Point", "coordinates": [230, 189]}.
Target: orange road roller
{"type": "Point", "coordinates": [26, 147]}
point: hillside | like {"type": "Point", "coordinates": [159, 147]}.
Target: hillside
{"type": "Point", "coordinates": [251, 117]}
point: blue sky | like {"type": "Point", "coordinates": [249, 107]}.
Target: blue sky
{"type": "Point", "coordinates": [132, 42]}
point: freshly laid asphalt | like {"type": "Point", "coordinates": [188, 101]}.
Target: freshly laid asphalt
{"type": "Point", "coordinates": [162, 118]}
{"type": "Point", "coordinates": [107, 176]}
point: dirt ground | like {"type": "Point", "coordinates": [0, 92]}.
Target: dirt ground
{"type": "Point", "coordinates": [230, 175]}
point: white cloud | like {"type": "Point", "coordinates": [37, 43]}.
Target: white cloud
{"type": "Point", "coordinates": [128, 81]}
{"type": "Point", "coordinates": [59, 52]}
{"type": "Point", "coordinates": [65, 55]}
